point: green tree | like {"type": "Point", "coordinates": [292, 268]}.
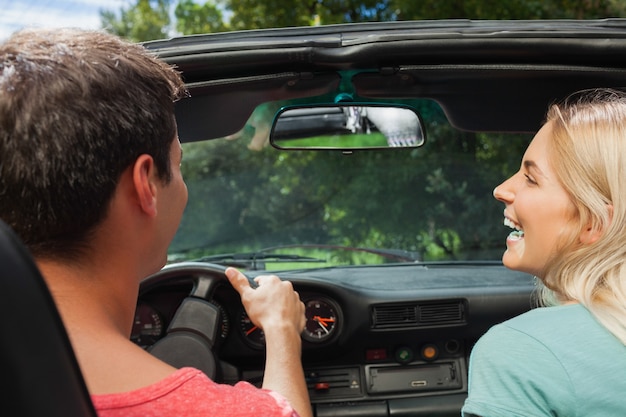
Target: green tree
{"type": "Point", "coordinates": [150, 19]}
{"type": "Point", "coordinates": [509, 9]}
{"type": "Point", "coordinates": [252, 14]}
{"type": "Point", "coordinates": [193, 18]}
{"type": "Point", "coordinates": [143, 21]}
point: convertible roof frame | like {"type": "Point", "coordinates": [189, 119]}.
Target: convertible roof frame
{"type": "Point", "coordinates": [464, 65]}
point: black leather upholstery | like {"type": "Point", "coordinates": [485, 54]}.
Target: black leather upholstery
{"type": "Point", "coordinates": [39, 372]}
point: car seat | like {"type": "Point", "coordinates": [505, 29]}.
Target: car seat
{"type": "Point", "coordinates": [39, 372]}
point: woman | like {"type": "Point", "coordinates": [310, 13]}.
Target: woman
{"type": "Point", "coordinates": [567, 206]}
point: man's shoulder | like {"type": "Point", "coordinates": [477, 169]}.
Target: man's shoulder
{"type": "Point", "coordinates": [190, 392]}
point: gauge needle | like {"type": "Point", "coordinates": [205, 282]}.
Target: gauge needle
{"type": "Point", "coordinates": [323, 326]}
{"type": "Point", "coordinates": [251, 330]}
{"type": "Point", "coordinates": [323, 322]}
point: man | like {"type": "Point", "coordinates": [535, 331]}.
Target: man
{"type": "Point", "coordinates": [90, 179]}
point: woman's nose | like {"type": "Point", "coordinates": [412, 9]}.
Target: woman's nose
{"type": "Point", "coordinates": [504, 192]}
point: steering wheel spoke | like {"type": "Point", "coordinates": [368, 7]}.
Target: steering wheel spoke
{"type": "Point", "coordinates": [192, 333]}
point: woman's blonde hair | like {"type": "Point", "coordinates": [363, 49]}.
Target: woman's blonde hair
{"type": "Point", "coordinates": [588, 154]}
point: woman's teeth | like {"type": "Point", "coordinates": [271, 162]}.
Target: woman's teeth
{"type": "Point", "coordinates": [516, 234]}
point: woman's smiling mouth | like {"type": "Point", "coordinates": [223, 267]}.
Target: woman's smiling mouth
{"type": "Point", "coordinates": [517, 233]}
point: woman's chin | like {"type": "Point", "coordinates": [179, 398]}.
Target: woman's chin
{"type": "Point", "coordinates": [512, 257]}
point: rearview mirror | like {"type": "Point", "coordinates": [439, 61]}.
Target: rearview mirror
{"type": "Point", "coordinates": [346, 127]}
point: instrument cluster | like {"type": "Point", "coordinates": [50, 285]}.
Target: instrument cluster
{"type": "Point", "coordinates": [323, 320]}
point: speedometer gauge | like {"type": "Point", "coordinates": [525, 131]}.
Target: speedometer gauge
{"type": "Point", "coordinates": [252, 334]}
{"type": "Point", "coordinates": [147, 326]}
{"type": "Point", "coordinates": [224, 328]}
{"type": "Point", "coordinates": [321, 320]}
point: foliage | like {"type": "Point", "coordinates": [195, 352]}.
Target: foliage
{"type": "Point", "coordinates": [193, 18]}
{"type": "Point", "coordinates": [427, 200]}
{"type": "Point", "coordinates": [510, 9]}
{"type": "Point", "coordinates": [253, 14]}
{"type": "Point", "coordinates": [147, 19]}
{"type": "Point", "coordinates": [150, 19]}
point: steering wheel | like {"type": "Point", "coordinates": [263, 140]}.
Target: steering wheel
{"type": "Point", "coordinates": [191, 335]}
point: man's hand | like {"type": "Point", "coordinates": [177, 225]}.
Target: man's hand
{"type": "Point", "coordinates": [276, 308]}
{"type": "Point", "coordinates": [273, 305]}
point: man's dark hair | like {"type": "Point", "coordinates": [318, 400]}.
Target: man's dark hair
{"type": "Point", "coordinates": [76, 109]}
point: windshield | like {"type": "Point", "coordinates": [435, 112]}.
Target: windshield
{"type": "Point", "coordinates": [257, 207]}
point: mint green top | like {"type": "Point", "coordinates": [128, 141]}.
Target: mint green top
{"type": "Point", "coordinates": [552, 361]}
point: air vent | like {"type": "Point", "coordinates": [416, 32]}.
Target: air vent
{"type": "Point", "coordinates": [441, 313]}
{"type": "Point", "coordinates": [397, 315]}
{"type": "Point", "coordinates": [418, 314]}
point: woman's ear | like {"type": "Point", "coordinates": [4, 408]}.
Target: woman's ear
{"type": "Point", "coordinates": [144, 178]}
{"type": "Point", "coordinates": [589, 235]}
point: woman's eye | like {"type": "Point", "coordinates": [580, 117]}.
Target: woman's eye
{"type": "Point", "coordinates": [530, 180]}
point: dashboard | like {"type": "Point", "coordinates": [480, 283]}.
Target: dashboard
{"type": "Point", "coordinates": [379, 340]}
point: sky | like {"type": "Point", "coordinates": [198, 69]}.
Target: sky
{"type": "Point", "coordinates": [16, 14]}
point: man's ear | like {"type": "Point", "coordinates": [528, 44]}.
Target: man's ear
{"type": "Point", "coordinates": [144, 181]}
{"type": "Point", "coordinates": [589, 235]}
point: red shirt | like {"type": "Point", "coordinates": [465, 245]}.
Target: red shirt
{"type": "Point", "coordinates": [190, 393]}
